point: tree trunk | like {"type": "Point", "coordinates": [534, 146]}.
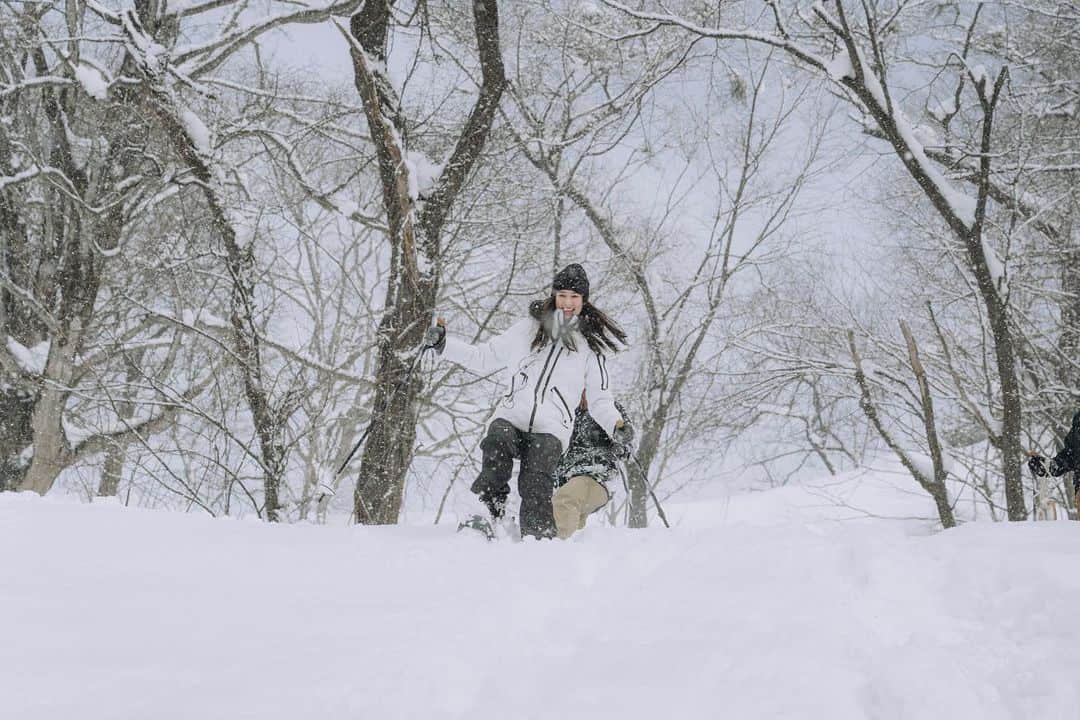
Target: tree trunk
{"type": "Point", "coordinates": [637, 473]}
{"type": "Point", "coordinates": [113, 469]}
{"type": "Point", "coordinates": [415, 224]}
{"type": "Point", "coordinates": [389, 448]}
{"type": "Point", "coordinates": [1069, 340]}
{"type": "Point", "coordinates": [1011, 447]}
{"type": "Point", "coordinates": [19, 322]}
{"type": "Point", "coordinates": [51, 448]}
{"type": "Point", "coordinates": [934, 486]}
{"type": "Point", "coordinates": [16, 435]}
{"type": "Point", "coordinates": [70, 293]}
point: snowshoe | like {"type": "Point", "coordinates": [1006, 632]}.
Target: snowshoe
{"type": "Point", "coordinates": [480, 524]}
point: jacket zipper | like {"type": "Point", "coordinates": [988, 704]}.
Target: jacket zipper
{"type": "Point", "coordinates": [548, 381]}
{"type": "Point", "coordinates": [569, 415]}
{"type": "Point", "coordinates": [536, 392]}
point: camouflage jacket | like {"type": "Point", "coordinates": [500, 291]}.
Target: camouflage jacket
{"type": "Point", "coordinates": [1069, 457]}
{"type": "Point", "coordinates": [591, 451]}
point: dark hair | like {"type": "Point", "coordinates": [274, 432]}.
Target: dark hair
{"type": "Point", "coordinates": [594, 324]}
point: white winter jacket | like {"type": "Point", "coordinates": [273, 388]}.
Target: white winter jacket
{"type": "Point", "coordinates": [543, 387]}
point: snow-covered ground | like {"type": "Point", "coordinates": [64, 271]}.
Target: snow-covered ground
{"type": "Point", "coordinates": [778, 604]}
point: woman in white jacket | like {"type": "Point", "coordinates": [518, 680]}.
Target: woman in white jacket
{"type": "Point", "coordinates": [550, 357]}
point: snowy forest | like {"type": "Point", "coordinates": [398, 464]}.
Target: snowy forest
{"type": "Point", "coordinates": [833, 232]}
{"type": "Point", "coordinates": [247, 246]}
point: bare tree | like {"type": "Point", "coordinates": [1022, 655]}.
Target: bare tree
{"type": "Point", "coordinates": [66, 202]}
{"type": "Point", "coordinates": [89, 182]}
{"type": "Point", "coordinates": [932, 482]}
{"type": "Point", "coordinates": [852, 50]}
{"type": "Point", "coordinates": [416, 210]}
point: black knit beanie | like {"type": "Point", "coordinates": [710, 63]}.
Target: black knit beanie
{"type": "Point", "coordinates": [572, 277]}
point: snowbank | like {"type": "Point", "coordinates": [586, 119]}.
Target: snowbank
{"type": "Point", "coordinates": [107, 612]}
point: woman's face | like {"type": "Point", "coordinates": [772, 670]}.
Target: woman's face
{"type": "Point", "coordinates": [569, 302]}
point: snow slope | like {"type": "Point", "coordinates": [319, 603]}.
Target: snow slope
{"type": "Point", "coordinates": [755, 606]}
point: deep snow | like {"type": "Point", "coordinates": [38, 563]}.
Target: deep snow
{"type": "Point", "coordinates": [764, 605]}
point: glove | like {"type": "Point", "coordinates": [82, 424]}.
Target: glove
{"type": "Point", "coordinates": [623, 441]}
{"type": "Point", "coordinates": [435, 337]}
{"type": "Point", "coordinates": [1036, 465]}
{"type": "Point", "coordinates": [560, 328]}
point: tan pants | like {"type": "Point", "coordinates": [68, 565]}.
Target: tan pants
{"type": "Point", "coordinates": [572, 504]}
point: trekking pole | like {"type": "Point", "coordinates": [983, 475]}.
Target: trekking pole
{"type": "Point", "coordinates": [648, 486]}
{"type": "Point", "coordinates": [386, 404]}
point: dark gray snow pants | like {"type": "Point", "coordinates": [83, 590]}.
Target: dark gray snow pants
{"type": "Point", "coordinates": [539, 454]}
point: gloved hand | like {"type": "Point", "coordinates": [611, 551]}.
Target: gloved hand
{"type": "Point", "coordinates": [435, 336]}
{"type": "Point", "coordinates": [560, 328]}
{"type": "Point", "coordinates": [623, 441]}
{"type": "Point", "coordinates": [1037, 466]}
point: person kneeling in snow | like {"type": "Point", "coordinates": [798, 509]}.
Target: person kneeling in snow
{"type": "Point", "coordinates": [1066, 460]}
{"type": "Point", "coordinates": [584, 471]}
